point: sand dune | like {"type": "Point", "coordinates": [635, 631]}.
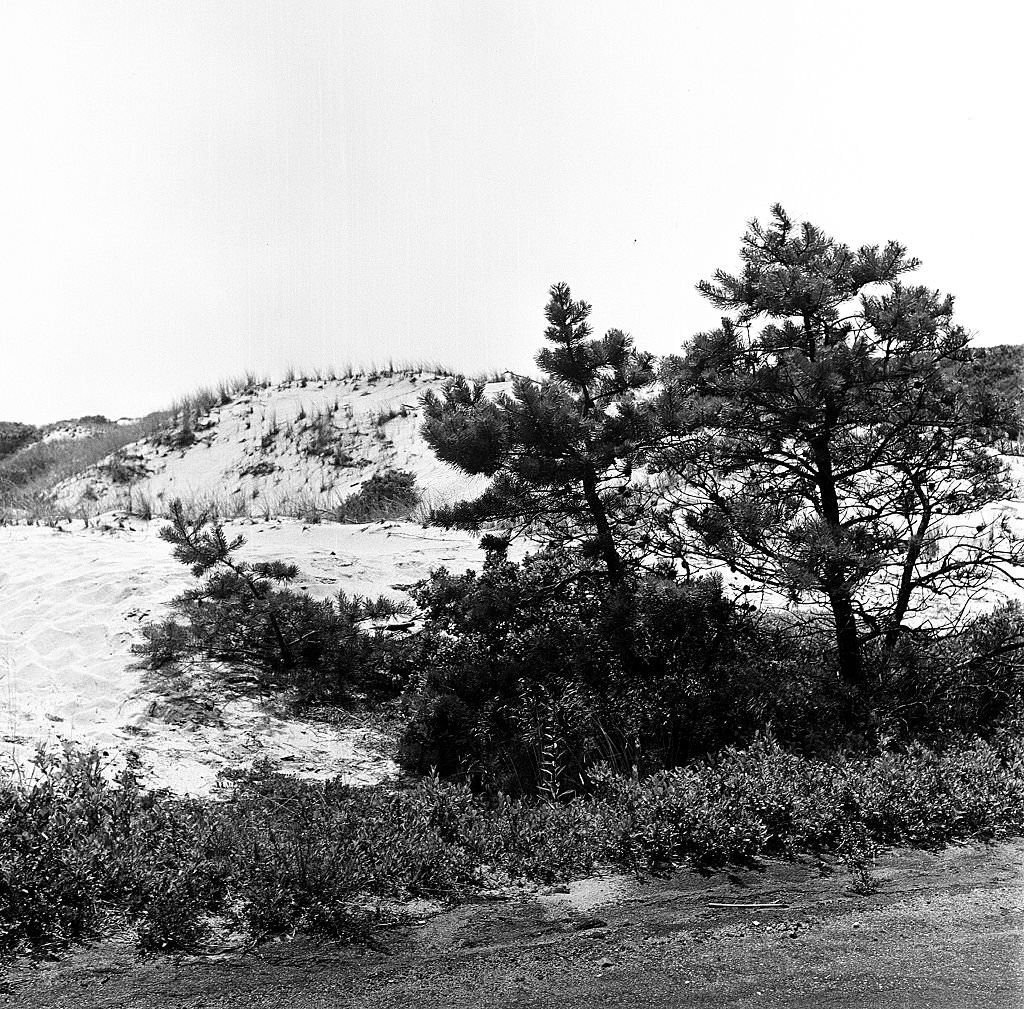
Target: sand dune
{"type": "Point", "coordinates": [72, 603]}
{"type": "Point", "coordinates": [282, 450]}
{"type": "Point", "coordinates": [73, 599]}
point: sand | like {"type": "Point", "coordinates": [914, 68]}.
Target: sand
{"type": "Point", "coordinates": [72, 604]}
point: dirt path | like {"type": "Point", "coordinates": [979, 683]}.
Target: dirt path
{"type": "Point", "coordinates": [944, 930]}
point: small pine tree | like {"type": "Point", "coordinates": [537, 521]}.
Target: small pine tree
{"type": "Point", "coordinates": [246, 615]}
{"type": "Point", "coordinates": [561, 452]}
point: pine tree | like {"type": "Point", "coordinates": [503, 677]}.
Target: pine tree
{"type": "Point", "coordinates": [560, 451]}
{"type": "Point", "coordinates": [823, 449]}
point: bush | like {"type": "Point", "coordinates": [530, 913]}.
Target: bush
{"type": "Point", "coordinates": [14, 435]}
{"type": "Point", "coordinates": [280, 855]}
{"type": "Point", "coordinates": [970, 682]}
{"type": "Point", "coordinates": [244, 616]}
{"type": "Point", "coordinates": [389, 494]}
{"type": "Point", "coordinates": [532, 673]}
{"type": "Point", "coordinates": [173, 916]}
{"type": "Point", "coordinates": [121, 468]}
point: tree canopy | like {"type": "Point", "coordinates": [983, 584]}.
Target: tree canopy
{"type": "Point", "coordinates": [560, 451]}
{"type": "Point", "coordinates": [820, 445]}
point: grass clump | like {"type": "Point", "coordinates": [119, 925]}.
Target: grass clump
{"type": "Point", "coordinates": [389, 494]}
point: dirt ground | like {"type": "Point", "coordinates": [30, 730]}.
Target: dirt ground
{"type": "Point", "coordinates": [943, 929]}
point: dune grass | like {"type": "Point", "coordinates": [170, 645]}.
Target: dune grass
{"type": "Point", "coordinates": [28, 477]}
{"type": "Point", "coordinates": [30, 474]}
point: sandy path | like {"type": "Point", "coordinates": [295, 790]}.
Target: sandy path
{"type": "Point", "coordinates": [944, 932]}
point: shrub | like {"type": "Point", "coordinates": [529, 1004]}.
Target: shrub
{"type": "Point", "coordinates": [173, 917]}
{"type": "Point", "coordinates": [531, 673]}
{"type": "Point", "coordinates": [277, 854]}
{"type": "Point", "coordinates": [120, 468]}
{"type": "Point", "coordinates": [389, 494]}
{"type": "Point", "coordinates": [971, 682]}
{"type": "Point", "coordinates": [13, 435]}
{"type": "Point", "coordinates": [245, 616]}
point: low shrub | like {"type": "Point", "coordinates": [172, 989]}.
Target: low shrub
{"type": "Point", "coordinates": [389, 494]}
{"type": "Point", "coordinates": [173, 917]}
{"type": "Point", "coordinates": [245, 616]}
{"type": "Point", "coordinates": [280, 855]}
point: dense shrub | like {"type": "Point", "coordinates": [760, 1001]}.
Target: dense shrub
{"type": "Point", "coordinates": [246, 617]}
{"type": "Point", "coordinates": [13, 435]}
{"type": "Point", "coordinates": [991, 384]}
{"type": "Point", "coordinates": [969, 683]}
{"type": "Point", "coordinates": [278, 854]}
{"type": "Point", "coordinates": [389, 494]}
{"type": "Point", "coordinates": [532, 673]}
{"type": "Point", "coordinates": [72, 842]}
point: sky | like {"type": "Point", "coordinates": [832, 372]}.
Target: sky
{"type": "Point", "coordinates": [190, 190]}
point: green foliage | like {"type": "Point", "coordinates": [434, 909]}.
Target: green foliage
{"type": "Point", "coordinates": [963, 683]}
{"type": "Point", "coordinates": [389, 494]}
{"type": "Point", "coordinates": [530, 674]}
{"type": "Point", "coordinates": [244, 616]}
{"type": "Point", "coordinates": [991, 385]}
{"type": "Point", "coordinates": [173, 916]}
{"type": "Point", "coordinates": [14, 435]}
{"type": "Point", "coordinates": [560, 452]}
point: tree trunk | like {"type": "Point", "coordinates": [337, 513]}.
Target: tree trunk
{"type": "Point", "coordinates": [851, 668]}
{"type": "Point", "coordinates": [906, 586]}
{"type": "Point", "coordinates": [833, 579]}
{"type": "Point", "coordinates": [605, 540]}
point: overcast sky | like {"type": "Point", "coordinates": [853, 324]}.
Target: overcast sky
{"type": "Point", "coordinates": [192, 189]}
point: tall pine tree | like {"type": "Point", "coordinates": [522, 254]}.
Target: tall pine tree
{"type": "Point", "coordinates": [824, 450]}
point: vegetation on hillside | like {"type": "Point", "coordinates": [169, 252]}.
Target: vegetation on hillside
{"type": "Point", "coordinates": [14, 435]}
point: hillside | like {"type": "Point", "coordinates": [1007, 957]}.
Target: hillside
{"type": "Point", "coordinates": [75, 588]}
{"type": "Point", "coordinates": [298, 448]}
{"type": "Point", "coordinates": [84, 567]}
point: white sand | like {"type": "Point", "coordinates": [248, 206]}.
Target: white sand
{"type": "Point", "coordinates": [256, 455]}
{"type": "Point", "coordinates": [71, 604]}
{"type": "Point", "coordinates": [72, 601]}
